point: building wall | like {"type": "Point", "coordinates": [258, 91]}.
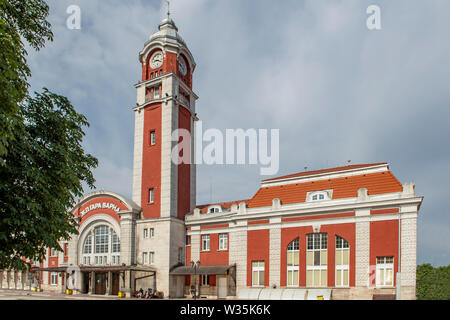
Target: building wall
{"type": "Point", "coordinates": [151, 163]}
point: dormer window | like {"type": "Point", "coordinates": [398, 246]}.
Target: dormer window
{"type": "Point", "coordinates": [319, 195]}
{"type": "Point", "coordinates": [214, 209]}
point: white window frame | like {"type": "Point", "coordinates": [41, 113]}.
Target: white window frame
{"type": "Point", "coordinates": [342, 267]}
{"type": "Point", "coordinates": [206, 242]}
{"type": "Point", "coordinates": [293, 246]}
{"type": "Point", "coordinates": [152, 137]}
{"type": "Point", "coordinates": [151, 195]}
{"type": "Point", "coordinates": [53, 252]}
{"type": "Point", "coordinates": [151, 257]}
{"type": "Point", "coordinates": [151, 232]}
{"type": "Point", "coordinates": [319, 267]}
{"type": "Point", "coordinates": [214, 209]}
{"type": "Point", "coordinates": [89, 254]}
{"type": "Point", "coordinates": [383, 267]}
{"type": "Point", "coordinates": [321, 195]}
{"type": "Point", "coordinates": [144, 257]}
{"type": "Point", "coordinates": [223, 241]}
{"type": "Point", "coordinates": [54, 278]}
{"type": "Point", "coordinates": [205, 280]}
{"type": "Point", "coordinates": [145, 233]}
{"type": "Point", "coordinates": [258, 267]}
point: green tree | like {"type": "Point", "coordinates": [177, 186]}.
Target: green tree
{"type": "Point", "coordinates": [18, 18]}
{"type": "Point", "coordinates": [433, 283]}
{"type": "Point", "coordinates": [42, 163]}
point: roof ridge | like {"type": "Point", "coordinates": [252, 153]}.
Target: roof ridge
{"type": "Point", "coordinates": [326, 170]}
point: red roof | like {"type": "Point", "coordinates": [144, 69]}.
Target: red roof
{"type": "Point", "coordinates": [345, 187]}
{"type": "Point", "coordinates": [329, 170]}
{"type": "Point", "coordinates": [224, 205]}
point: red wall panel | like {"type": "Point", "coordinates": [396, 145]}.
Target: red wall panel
{"type": "Point", "coordinates": [258, 250]}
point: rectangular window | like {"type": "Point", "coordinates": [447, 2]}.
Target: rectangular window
{"type": "Point", "coordinates": [257, 273]}
{"type": "Point", "coordinates": [152, 138]}
{"type": "Point", "coordinates": [385, 271]}
{"type": "Point", "coordinates": [145, 233]}
{"type": "Point", "coordinates": [223, 241]}
{"type": "Point", "coordinates": [316, 260]}
{"type": "Point", "coordinates": [151, 257]}
{"type": "Point", "coordinates": [188, 240]}
{"type": "Point", "coordinates": [54, 278]}
{"type": "Point", "coordinates": [156, 92]}
{"type": "Point", "coordinates": [293, 259]}
{"type": "Point", "coordinates": [144, 258]}
{"type": "Point", "coordinates": [150, 195]}
{"type": "Point", "coordinates": [152, 232]}
{"type": "Point", "coordinates": [53, 252]}
{"type": "Point", "coordinates": [205, 242]}
{"type": "Point", "coordinates": [342, 262]}
{"type": "Point", "coordinates": [205, 280]}
{"type": "Point", "coordinates": [180, 255]}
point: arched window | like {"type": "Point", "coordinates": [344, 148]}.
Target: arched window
{"type": "Point", "coordinates": [342, 262]}
{"type": "Point", "coordinates": [293, 262]}
{"type": "Point", "coordinates": [101, 246]}
{"type": "Point", "coordinates": [316, 260]}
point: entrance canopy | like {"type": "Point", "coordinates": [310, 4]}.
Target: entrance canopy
{"type": "Point", "coordinates": [96, 269]}
{"type": "Point", "coordinates": [188, 270]}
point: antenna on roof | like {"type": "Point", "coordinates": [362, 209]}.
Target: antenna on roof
{"type": "Point", "coordinates": [348, 162]}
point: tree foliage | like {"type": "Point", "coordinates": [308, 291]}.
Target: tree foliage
{"type": "Point", "coordinates": [42, 162]}
{"type": "Point", "coordinates": [18, 18]}
{"type": "Point", "coordinates": [433, 283]}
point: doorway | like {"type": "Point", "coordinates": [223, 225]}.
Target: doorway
{"type": "Point", "coordinates": [85, 287]}
{"type": "Point", "coordinates": [221, 287]}
{"type": "Point", "coordinates": [100, 283]}
{"type": "Point", "coordinates": [115, 276]}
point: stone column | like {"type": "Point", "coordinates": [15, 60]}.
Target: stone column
{"type": "Point", "coordinates": [127, 237]}
{"type": "Point", "coordinates": [408, 258]}
{"type": "Point", "coordinates": [362, 254]}
{"type": "Point", "coordinates": [109, 284]}
{"type": "Point", "coordinates": [275, 253]}
{"type": "Point", "coordinates": [238, 254]}
{"type": "Point", "coordinates": [92, 283]}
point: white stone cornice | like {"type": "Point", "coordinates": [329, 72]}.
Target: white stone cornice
{"type": "Point", "coordinates": [328, 207]}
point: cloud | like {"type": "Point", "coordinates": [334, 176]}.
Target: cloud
{"type": "Point", "coordinates": [336, 90]}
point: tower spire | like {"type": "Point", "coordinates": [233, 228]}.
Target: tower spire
{"type": "Point", "coordinates": [168, 9]}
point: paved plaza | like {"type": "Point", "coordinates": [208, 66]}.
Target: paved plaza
{"type": "Point", "coordinates": [11, 294]}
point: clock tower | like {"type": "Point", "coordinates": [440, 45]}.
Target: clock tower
{"type": "Point", "coordinates": [164, 188]}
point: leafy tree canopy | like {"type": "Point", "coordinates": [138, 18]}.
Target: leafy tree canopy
{"type": "Point", "coordinates": [433, 283]}
{"type": "Point", "coordinates": [42, 162]}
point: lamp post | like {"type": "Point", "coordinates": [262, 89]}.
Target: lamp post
{"type": "Point", "coordinates": [195, 265]}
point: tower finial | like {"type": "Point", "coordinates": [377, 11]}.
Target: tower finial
{"type": "Point", "coordinates": [168, 9]}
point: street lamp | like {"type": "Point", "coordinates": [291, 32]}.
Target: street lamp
{"type": "Point", "coordinates": [195, 265]}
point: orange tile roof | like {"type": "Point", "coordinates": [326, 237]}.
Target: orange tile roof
{"type": "Point", "coordinates": [346, 187]}
{"type": "Point", "coordinates": [329, 170]}
{"type": "Point", "coordinates": [224, 205]}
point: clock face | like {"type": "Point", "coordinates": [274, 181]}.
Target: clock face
{"type": "Point", "coordinates": [182, 66]}
{"type": "Point", "coordinates": [156, 60]}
